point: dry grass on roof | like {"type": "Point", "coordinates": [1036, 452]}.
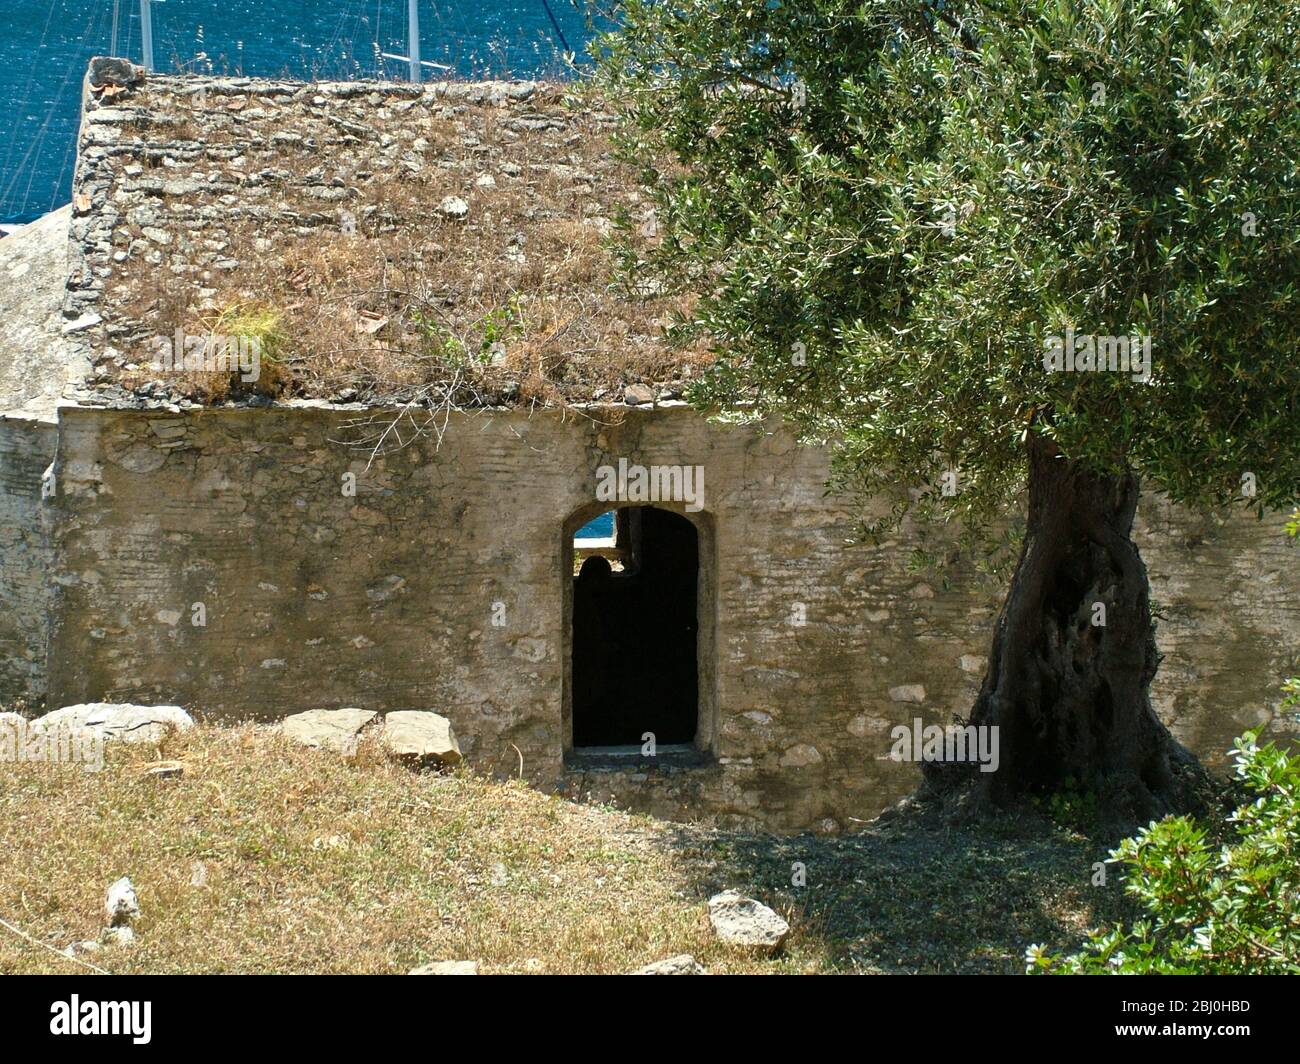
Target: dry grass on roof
{"type": "Point", "coordinates": [380, 285]}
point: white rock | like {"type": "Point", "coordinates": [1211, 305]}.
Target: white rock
{"type": "Point", "coordinates": [121, 904]}
{"type": "Point", "coordinates": [447, 968]}
{"type": "Point", "coordinates": [800, 755]}
{"type": "Point", "coordinates": [682, 964]}
{"type": "Point", "coordinates": [117, 936]}
{"type": "Point", "coordinates": [741, 921]}
{"type": "Point", "coordinates": [420, 736]}
{"type": "Point", "coordinates": [453, 207]}
{"type": "Point", "coordinates": [130, 723]}
{"type": "Point", "coordinates": [86, 321]}
{"type": "Point", "coordinates": [908, 692]}
{"type": "Point", "coordinates": [328, 729]}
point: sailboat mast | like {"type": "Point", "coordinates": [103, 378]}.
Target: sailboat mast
{"type": "Point", "coordinates": [413, 37]}
{"type": "Point", "coordinates": [146, 34]}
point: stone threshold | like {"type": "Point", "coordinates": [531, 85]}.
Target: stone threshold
{"type": "Point", "coordinates": [623, 758]}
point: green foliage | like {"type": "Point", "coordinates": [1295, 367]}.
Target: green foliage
{"type": "Point", "coordinates": [501, 324]}
{"type": "Point", "coordinates": [252, 321]}
{"type": "Point", "coordinates": [888, 207]}
{"type": "Point", "coordinates": [495, 327]}
{"type": "Point", "coordinates": [1223, 909]}
{"type": "Point", "coordinates": [1072, 807]}
{"type": "Point", "coordinates": [262, 324]}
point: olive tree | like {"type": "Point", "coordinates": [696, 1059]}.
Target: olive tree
{"type": "Point", "coordinates": [1016, 257]}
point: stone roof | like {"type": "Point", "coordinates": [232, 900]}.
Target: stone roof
{"type": "Point", "coordinates": [380, 241]}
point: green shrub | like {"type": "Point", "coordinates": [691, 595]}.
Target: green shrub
{"type": "Point", "coordinates": [1231, 908]}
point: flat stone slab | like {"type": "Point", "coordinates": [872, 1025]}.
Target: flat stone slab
{"type": "Point", "coordinates": [420, 736]}
{"type": "Point", "coordinates": [682, 964]}
{"type": "Point", "coordinates": [328, 729]}
{"type": "Point", "coordinates": [744, 922]}
{"type": "Point", "coordinates": [447, 968]}
{"type": "Point", "coordinates": [129, 723]}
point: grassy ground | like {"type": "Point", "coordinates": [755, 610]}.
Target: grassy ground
{"type": "Point", "coordinates": [265, 857]}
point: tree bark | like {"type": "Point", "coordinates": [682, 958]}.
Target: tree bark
{"type": "Point", "coordinates": [1073, 656]}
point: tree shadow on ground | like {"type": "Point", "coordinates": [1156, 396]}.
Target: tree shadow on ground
{"type": "Point", "coordinates": [913, 893]}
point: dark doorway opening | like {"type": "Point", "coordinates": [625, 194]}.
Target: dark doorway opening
{"type": "Point", "coordinates": [635, 627]}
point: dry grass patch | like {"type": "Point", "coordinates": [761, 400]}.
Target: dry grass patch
{"type": "Point", "coordinates": [267, 857]}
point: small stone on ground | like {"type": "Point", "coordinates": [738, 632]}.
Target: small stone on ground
{"type": "Point", "coordinates": [420, 737]}
{"type": "Point", "coordinates": [117, 936]}
{"type": "Point", "coordinates": [447, 968]}
{"type": "Point", "coordinates": [682, 964]}
{"type": "Point", "coordinates": [328, 729]}
{"type": "Point", "coordinates": [122, 904]}
{"type": "Point", "coordinates": [129, 723]}
{"type": "Point", "coordinates": [741, 921]}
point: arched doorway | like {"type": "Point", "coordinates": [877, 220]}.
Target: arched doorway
{"type": "Point", "coordinates": [635, 630]}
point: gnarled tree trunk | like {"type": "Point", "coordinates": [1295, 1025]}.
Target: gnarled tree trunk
{"type": "Point", "coordinates": [1073, 656]}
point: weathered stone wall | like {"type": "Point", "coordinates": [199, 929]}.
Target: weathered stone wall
{"type": "Point", "coordinates": [384, 600]}
{"type": "Point", "coordinates": [26, 450]}
{"type": "Point", "coordinates": [34, 370]}
{"type": "Point", "coordinates": [1227, 595]}
{"type": "Point", "coordinates": [35, 366]}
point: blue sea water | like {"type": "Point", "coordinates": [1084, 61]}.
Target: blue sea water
{"type": "Point", "coordinates": [601, 528]}
{"type": "Point", "coordinates": [46, 44]}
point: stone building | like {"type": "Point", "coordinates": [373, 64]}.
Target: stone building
{"type": "Point", "coordinates": [382, 512]}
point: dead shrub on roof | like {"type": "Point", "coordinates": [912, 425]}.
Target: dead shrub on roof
{"type": "Point", "coordinates": [383, 289]}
